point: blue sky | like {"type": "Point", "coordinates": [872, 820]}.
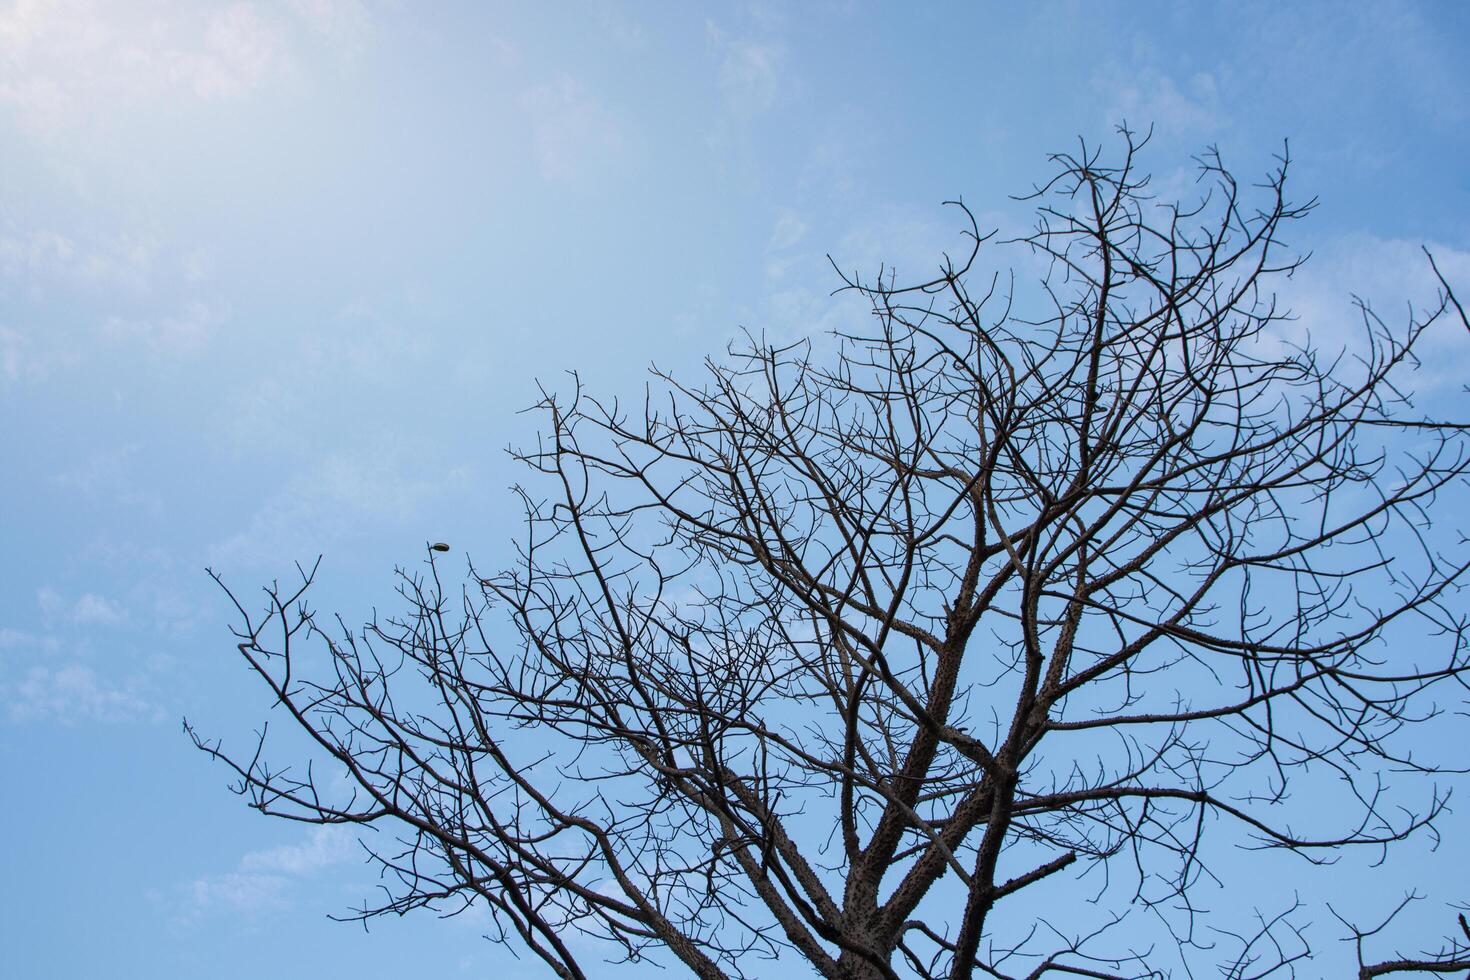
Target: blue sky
{"type": "Point", "coordinates": [276, 277]}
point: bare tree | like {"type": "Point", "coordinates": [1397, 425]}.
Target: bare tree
{"type": "Point", "coordinates": [842, 648]}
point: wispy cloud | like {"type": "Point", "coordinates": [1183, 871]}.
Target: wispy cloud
{"type": "Point", "coordinates": [96, 610]}
{"type": "Point", "coordinates": [333, 499]}
{"type": "Point", "coordinates": [61, 62]}
{"type": "Point", "coordinates": [354, 356]}
{"type": "Point", "coordinates": [50, 602]}
{"type": "Point", "coordinates": [35, 253]}
{"type": "Point", "coordinates": [43, 266]}
{"type": "Point", "coordinates": [789, 229]}
{"type": "Point", "coordinates": [239, 49]}
{"type": "Point", "coordinates": [619, 28]}
{"type": "Point", "coordinates": [1394, 277]}
{"type": "Point", "coordinates": [111, 474]}
{"type": "Point", "coordinates": [234, 892]}
{"type": "Point", "coordinates": [1143, 96]}
{"type": "Point", "coordinates": [166, 593]}
{"type": "Point", "coordinates": [88, 609]}
{"type": "Point", "coordinates": [325, 847]}
{"type": "Point", "coordinates": [169, 336]}
{"type": "Point", "coordinates": [39, 259]}
{"type": "Point", "coordinates": [16, 639]}
{"type": "Point", "coordinates": [72, 694]}
{"type": "Point", "coordinates": [573, 133]}
{"type": "Point", "coordinates": [348, 25]}
{"type": "Point", "coordinates": [750, 74]}
{"type": "Point", "coordinates": [263, 880]}
{"type": "Point", "coordinates": [22, 361]}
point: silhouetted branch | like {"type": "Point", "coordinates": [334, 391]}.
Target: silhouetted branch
{"type": "Point", "coordinates": [816, 655]}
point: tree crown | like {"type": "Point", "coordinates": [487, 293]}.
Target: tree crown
{"type": "Point", "coordinates": [840, 648]}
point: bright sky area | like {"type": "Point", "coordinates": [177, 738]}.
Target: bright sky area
{"type": "Point", "coordinates": [276, 278]}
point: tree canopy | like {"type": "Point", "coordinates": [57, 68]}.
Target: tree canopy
{"type": "Point", "coordinates": [1058, 569]}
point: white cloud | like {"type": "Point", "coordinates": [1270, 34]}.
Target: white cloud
{"type": "Point", "coordinates": [113, 474]}
{"type": "Point", "coordinates": [72, 63]}
{"type": "Point", "coordinates": [282, 409]}
{"type": "Point", "coordinates": [239, 48]}
{"type": "Point", "coordinates": [166, 593]}
{"type": "Point", "coordinates": [44, 265]}
{"type": "Point", "coordinates": [238, 892]}
{"type": "Point", "coordinates": [34, 254]}
{"type": "Point", "coordinates": [264, 879]}
{"type": "Point", "coordinates": [325, 847]}
{"type": "Point", "coordinates": [333, 500]}
{"type": "Point", "coordinates": [789, 230]}
{"type": "Point", "coordinates": [1393, 276]}
{"type": "Point", "coordinates": [345, 24]}
{"type": "Point", "coordinates": [196, 265]}
{"type": "Point", "coordinates": [910, 240]}
{"type": "Point", "coordinates": [166, 336]}
{"type": "Point", "coordinates": [750, 75]}
{"type": "Point", "coordinates": [50, 601]}
{"type": "Point", "coordinates": [43, 258]}
{"type": "Point", "coordinates": [71, 694]}
{"type": "Point", "coordinates": [99, 471]}
{"type": "Point", "coordinates": [14, 639]}
{"type": "Point", "coordinates": [172, 609]}
{"type": "Point", "coordinates": [1143, 96]}
{"type": "Point", "coordinates": [572, 132]}
{"type": "Point", "coordinates": [621, 30]}
{"type": "Point", "coordinates": [19, 360]}
{"type": "Point", "coordinates": [92, 609]}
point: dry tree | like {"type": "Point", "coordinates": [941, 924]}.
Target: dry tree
{"type": "Point", "coordinates": [840, 648]}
